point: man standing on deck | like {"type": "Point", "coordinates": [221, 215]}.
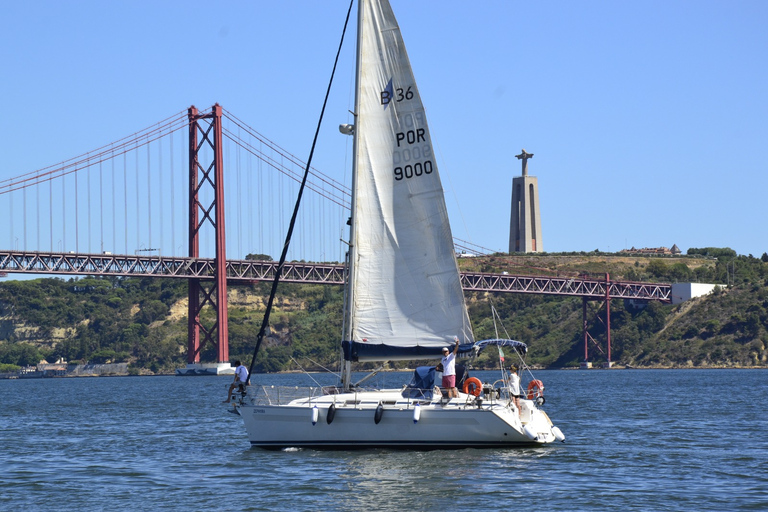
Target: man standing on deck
{"type": "Point", "coordinates": [514, 387]}
{"type": "Point", "coordinates": [449, 370]}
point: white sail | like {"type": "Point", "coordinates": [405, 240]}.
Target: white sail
{"type": "Point", "coordinates": [406, 296]}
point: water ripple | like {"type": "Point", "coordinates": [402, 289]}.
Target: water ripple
{"type": "Point", "coordinates": [636, 440]}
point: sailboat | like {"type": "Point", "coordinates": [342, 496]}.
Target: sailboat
{"type": "Point", "coordinates": [404, 299]}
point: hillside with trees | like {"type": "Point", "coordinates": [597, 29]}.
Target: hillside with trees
{"type": "Point", "coordinates": [142, 321]}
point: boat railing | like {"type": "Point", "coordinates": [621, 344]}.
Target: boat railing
{"type": "Point", "coordinates": [308, 395]}
{"type": "Point", "coordinates": [282, 395]}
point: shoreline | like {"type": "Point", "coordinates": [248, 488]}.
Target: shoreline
{"type": "Point", "coordinates": [535, 369]}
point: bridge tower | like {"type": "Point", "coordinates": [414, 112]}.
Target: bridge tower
{"type": "Point", "coordinates": [606, 301]}
{"type": "Point", "coordinates": [525, 221]}
{"type": "Point", "coordinates": [205, 137]}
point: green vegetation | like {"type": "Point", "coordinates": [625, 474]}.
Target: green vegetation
{"type": "Point", "coordinates": [258, 257]}
{"type": "Point", "coordinates": [90, 320]}
{"type": "Point", "coordinates": [142, 321]}
{"type": "Point", "coordinates": [9, 368]}
{"type": "Point", "coordinates": [726, 328]}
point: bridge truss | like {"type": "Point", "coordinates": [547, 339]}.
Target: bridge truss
{"type": "Point", "coordinates": [249, 271]}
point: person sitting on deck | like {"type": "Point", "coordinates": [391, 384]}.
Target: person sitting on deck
{"type": "Point", "coordinates": [241, 380]}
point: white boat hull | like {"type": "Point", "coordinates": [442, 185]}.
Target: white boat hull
{"type": "Point", "coordinates": [458, 423]}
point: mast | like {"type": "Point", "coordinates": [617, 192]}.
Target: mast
{"type": "Point", "coordinates": [348, 320]}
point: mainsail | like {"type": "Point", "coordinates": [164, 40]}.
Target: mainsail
{"type": "Point", "coordinates": [406, 296]}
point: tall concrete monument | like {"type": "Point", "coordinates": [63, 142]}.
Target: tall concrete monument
{"type": "Point", "coordinates": [525, 221]}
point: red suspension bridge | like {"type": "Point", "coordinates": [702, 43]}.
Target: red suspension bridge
{"type": "Point", "coordinates": [114, 211]}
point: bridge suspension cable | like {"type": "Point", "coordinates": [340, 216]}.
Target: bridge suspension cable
{"type": "Point", "coordinates": [106, 152]}
{"type": "Point", "coordinates": [257, 203]}
{"type": "Point", "coordinates": [338, 193]}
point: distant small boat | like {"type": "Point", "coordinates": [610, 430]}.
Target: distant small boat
{"type": "Point", "coordinates": [205, 369]}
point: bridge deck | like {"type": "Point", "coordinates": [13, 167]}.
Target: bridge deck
{"type": "Point", "coordinates": [248, 271]}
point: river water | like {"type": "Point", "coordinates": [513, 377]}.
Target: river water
{"type": "Point", "coordinates": [636, 440]}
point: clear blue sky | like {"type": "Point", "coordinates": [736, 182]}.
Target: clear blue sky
{"type": "Point", "coordinates": [648, 120]}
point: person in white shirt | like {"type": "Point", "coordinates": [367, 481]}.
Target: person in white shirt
{"type": "Point", "coordinates": [449, 370]}
{"type": "Point", "coordinates": [241, 380]}
{"type": "Point", "coordinates": [514, 387]}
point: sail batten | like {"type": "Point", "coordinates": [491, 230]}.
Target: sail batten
{"type": "Point", "coordinates": [406, 295]}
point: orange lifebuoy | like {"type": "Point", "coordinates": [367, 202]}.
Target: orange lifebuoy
{"type": "Point", "coordinates": [473, 386]}
{"type": "Point", "coordinates": [535, 389]}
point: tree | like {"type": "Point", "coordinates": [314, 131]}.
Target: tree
{"type": "Point", "coordinates": [102, 356]}
{"type": "Point", "coordinates": [151, 310]}
{"type": "Point", "coordinates": [657, 268]}
{"type": "Point", "coordinates": [19, 354]}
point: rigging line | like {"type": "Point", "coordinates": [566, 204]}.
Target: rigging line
{"type": "Point", "coordinates": [321, 366]}
{"type": "Point", "coordinates": [281, 263]}
{"type": "Point", "coordinates": [309, 374]}
{"type": "Point", "coordinates": [497, 316]}
{"type": "Point", "coordinates": [182, 118]}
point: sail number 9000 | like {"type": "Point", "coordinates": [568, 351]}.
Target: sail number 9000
{"type": "Point", "coordinates": [411, 170]}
